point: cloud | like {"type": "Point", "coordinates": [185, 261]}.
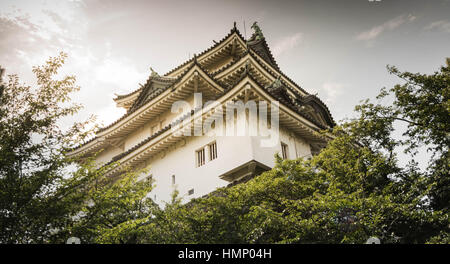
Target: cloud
{"type": "Point", "coordinates": [57, 19]}
{"type": "Point", "coordinates": [392, 24]}
{"type": "Point", "coordinates": [287, 43]}
{"type": "Point", "coordinates": [28, 40]}
{"type": "Point", "coordinates": [442, 25]}
{"type": "Point", "coordinates": [100, 77]}
{"type": "Point", "coordinates": [332, 91]}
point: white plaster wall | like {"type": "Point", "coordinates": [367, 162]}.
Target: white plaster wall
{"type": "Point", "coordinates": [297, 147]}
{"type": "Point", "coordinates": [180, 159]}
{"type": "Point", "coordinates": [232, 151]}
{"type": "Point", "coordinates": [107, 154]}
{"type": "Point", "coordinates": [157, 122]}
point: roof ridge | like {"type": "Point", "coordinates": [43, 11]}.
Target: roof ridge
{"type": "Point", "coordinates": [233, 30]}
{"type": "Point", "coordinates": [158, 78]}
{"type": "Point", "coordinates": [278, 71]}
{"type": "Point", "coordinates": [132, 110]}
{"type": "Point", "coordinates": [190, 113]}
{"type": "Point", "coordinates": [289, 104]}
{"type": "Point", "coordinates": [149, 138]}
{"type": "Point", "coordinates": [121, 96]}
{"type": "Point", "coordinates": [211, 76]}
{"type": "Point", "coordinates": [194, 61]}
{"type": "Point", "coordinates": [269, 52]}
{"type": "Point", "coordinates": [230, 64]}
{"type": "Point", "coordinates": [150, 98]}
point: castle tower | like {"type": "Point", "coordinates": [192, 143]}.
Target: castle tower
{"type": "Point", "coordinates": [197, 146]}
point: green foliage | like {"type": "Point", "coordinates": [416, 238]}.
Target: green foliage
{"type": "Point", "coordinates": [30, 153]}
{"type": "Point", "coordinates": [422, 102]}
{"type": "Point", "coordinates": [110, 205]}
{"type": "Point", "coordinates": [298, 202]}
{"type": "Point", "coordinates": [352, 190]}
{"type": "Point", "coordinates": [41, 199]}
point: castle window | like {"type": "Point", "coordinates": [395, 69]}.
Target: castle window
{"type": "Point", "coordinates": [200, 156]}
{"type": "Point", "coordinates": [191, 192]}
{"type": "Point", "coordinates": [284, 150]}
{"type": "Point", "coordinates": [173, 179]}
{"type": "Point", "coordinates": [212, 151]}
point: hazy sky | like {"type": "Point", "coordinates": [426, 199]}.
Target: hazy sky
{"type": "Point", "coordinates": [338, 49]}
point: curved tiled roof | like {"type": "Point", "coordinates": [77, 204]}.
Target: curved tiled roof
{"type": "Point", "coordinates": [157, 78]}
{"type": "Point", "coordinates": [148, 139]}
{"type": "Point", "coordinates": [255, 46]}
{"type": "Point", "coordinates": [121, 96]}
{"type": "Point", "coordinates": [132, 110]}
{"type": "Point", "coordinates": [147, 94]}
{"type": "Point", "coordinates": [281, 95]}
{"type": "Point", "coordinates": [125, 153]}
{"type": "Point", "coordinates": [309, 99]}
{"type": "Point", "coordinates": [278, 94]}
{"type": "Point", "coordinates": [263, 50]}
{"type": "Point", "coordinates": [263, 57]}
{"type": "Point", "coordinates": [233, 30]}
{"type": "Point", "coordinates": [230, 64]}
{"type": "Point", "coordinates": [140, 100]}
{"type": "Point", "coordinates": [278, 71]}
{"type": "Point", "coordinates": [152, 96]}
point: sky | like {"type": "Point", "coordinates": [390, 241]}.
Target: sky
{"type": "Point", "coordinates": [337, 49]}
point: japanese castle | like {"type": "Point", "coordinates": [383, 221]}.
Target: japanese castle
{"type": "Point", "coordinates": [217, 119]}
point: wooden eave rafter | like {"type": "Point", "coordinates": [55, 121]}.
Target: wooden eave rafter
{"type": "Point", "coordinates": [259, 69]}
{"type": "Point", "coordinates": [267, 69]}
{"type": "Point", "coordinates": [288, 118]}
{"type": "Point", "coordinates": [122, 97]}
{"type": "Point", "coordinates": [207, 58]}
{"type": "Point", "coordinates": [232, 45]}
{"type": "Point", "coordinates": [126, 102]}
{"type": "Point", "coordinates": [234, 71]}
{"type": "Point", "coordinates": [182, 89]}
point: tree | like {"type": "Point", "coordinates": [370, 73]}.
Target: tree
{"type": "Point", "coordinates": [352, 190]}
{"type": "Point", "coordinates": [301, 201]}
{"type": "Point", "coordinates": [30, 152]}
{"type": "Point", "coordinates": [422, 102]}
{"type": "Point", "coordinates": [110, 204]}
{"type": "Point", "coordinates": [41, 199]}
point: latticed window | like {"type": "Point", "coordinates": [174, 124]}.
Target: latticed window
{"type": "Point", "coordinates": [284, 150]}
{"type": "Point", "coordinates": [200, 157]}
{"type": "Point", "coordinates": [213, 151]}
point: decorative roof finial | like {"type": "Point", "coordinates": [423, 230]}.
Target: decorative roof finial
{"type": "Point", "coordinates": [154, 74]}
{"type": "Point", "coordinates": [257, 35]}
{"type": "Point", "coordinates": [195, 58]}
{"type": "Point", "coordinates": [275, 84]}
{"type": "Point", "coordinates": [234, 25]}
